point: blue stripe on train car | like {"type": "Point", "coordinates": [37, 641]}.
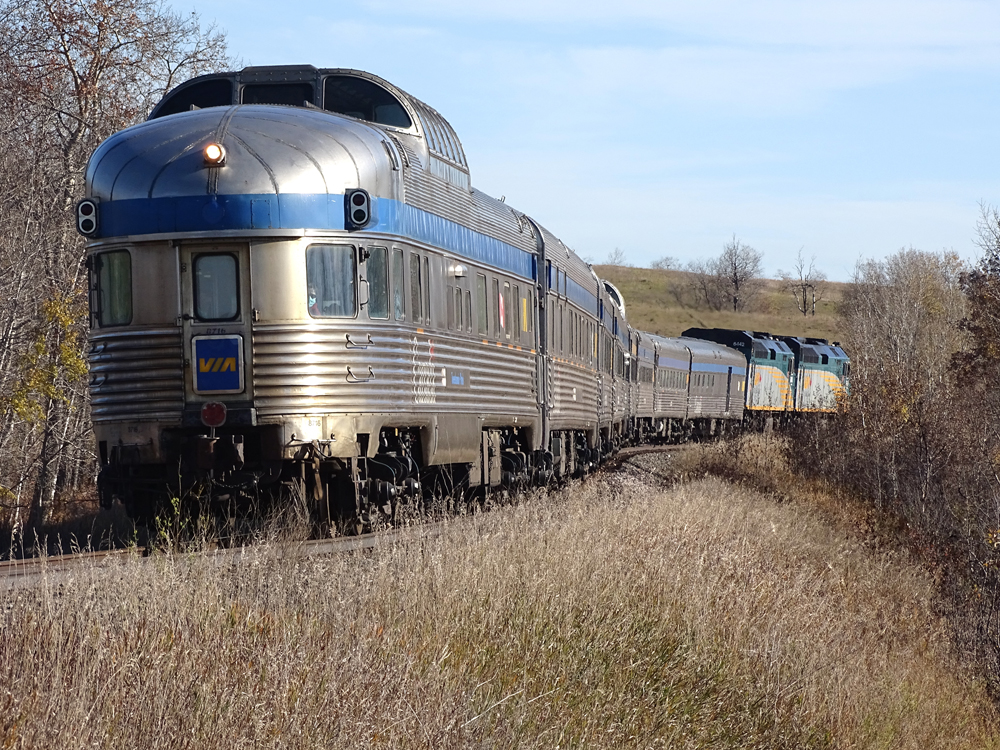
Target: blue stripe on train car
{"type": "Point", "coordinates": [214, 213]}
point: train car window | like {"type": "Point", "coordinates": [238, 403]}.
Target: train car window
{"type": "Point", "coordinates": [216, 287]}
{"type": "Point", "coordinates": [112, 273]}
{"type": "Point", "coordinates": [330, 274]}
{"type": "Point", "coordinates": [294, 94]}
{"type": "Point", "coordinates": [426, 285]}
{"type": "Point", "coordinates": [562, 329]}
{"type": "Point", "coordinates": [377, 270]}
{"type": "Point", "coordinates": [397, 284]}
{"type": "Point", "coordinates": [468, 311]}
{"type": "Point", "coordinates": [415, 295]}
{"type": "Point", "coordinates": [508, 311]}
{"type": "Point", "coordinates": [497, 310]}
{"type": "Point", "coordinates": [481, 305]}
{"type": "Point", "coordinates": [356, 97]}
{"type": "Point", "coordinates": [217, 92]}
{"type": "Point", "coordinates": [459, 323]}
{"type": "Point", "coordinates": [450, 306]}
{"type": "Point", "coordinates": [515, 303]}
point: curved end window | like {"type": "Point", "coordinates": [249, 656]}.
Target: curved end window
{"type": "Point", "coordinates": [216, 287]}
{"type": "Point", "coordinates": [292, 94]}
{"type": "Point", "coordinates": [111, 289]}
{"type": "Point", "coordinates": [215, 92]}
{"type": "Point", "coordinates": [330, 277]}
{"type": "Point", "coordinates": [365, 100]}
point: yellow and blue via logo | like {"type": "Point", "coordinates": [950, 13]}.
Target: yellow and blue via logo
{"type": "Point", "coordinates": [218, 364]}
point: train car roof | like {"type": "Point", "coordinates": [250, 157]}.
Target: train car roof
{"type": "Point", "coordinates": [344, 91]}
{"type": "Point", "coordinates": [708, 352]}
{"type": "Point", "coordinates": [670, 347]}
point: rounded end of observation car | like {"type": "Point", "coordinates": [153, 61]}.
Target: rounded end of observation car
{"type": "Point", "coordinates": [232, 168]}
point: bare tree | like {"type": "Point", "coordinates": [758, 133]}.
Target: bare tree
{"type": "Point", "coordinates": [71, 73]}
{"type": "Point", "coordinates": [805, 283]}
{"type": "Point", "coordinates": [616, 258]}
{"type": "Point", "coordinates": [739, 270]}
{"type": "Point", "coordinates": [666, 263]}
{"type": "Point", "coordinates": [705, 285]}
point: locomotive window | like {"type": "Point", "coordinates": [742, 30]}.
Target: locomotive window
{"type": "Point", "coordinates": [397, 283]}
{"type": "Point", "coordinates": [483, 308]}
{"type": "Point", "coordinates": [216, 287]}
{"type": "Point", "coordinates": [365, 100]}
{"type": "Point", "coordinates": [295, 94]}
{"type": "Point", "coordinates": [113, 285]}
{"type": "Point", "coordinates": [330, 274]}
{"type": "Point", "coordinates": [415, 287]}
{"type": "Point", "coordinates": [378, 283]}
{"type": "Point", "coordinates": [217, 92]}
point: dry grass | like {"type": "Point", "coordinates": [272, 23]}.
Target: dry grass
{"type": "Point", "coordinates": [620, 614]}
{"type": "Point", "coordinates": [652, 306]}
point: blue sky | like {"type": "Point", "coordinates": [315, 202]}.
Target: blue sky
{"type": "Point", "coordinates": [847, 129]}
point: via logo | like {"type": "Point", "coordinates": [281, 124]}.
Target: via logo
{"type": "Point", "coordinates": [217, 364]}
{"type": "Point", "coordinates": [219, 361]}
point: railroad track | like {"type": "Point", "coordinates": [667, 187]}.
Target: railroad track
{"type": "Point", "coordinates": [27, 572]}
{"type": "Point", "coordinates": [30, 571]}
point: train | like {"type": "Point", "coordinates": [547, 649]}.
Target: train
{"type": "Point", "coordinates": [295, 291]}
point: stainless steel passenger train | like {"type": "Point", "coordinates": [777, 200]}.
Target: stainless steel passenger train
{"type": "Point", "coordinates": [294, 286]}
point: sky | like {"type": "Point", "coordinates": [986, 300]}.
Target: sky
{"type": "Point", "coordinates": [846, 130]}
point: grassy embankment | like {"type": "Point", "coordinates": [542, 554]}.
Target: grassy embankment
{"type": "Point", "coordinates": [623, 613]}
{"type": "Point", "coordinates": [652, 306]}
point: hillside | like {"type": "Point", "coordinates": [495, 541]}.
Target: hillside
{"type": "Point", "coordinates": [652, 305]}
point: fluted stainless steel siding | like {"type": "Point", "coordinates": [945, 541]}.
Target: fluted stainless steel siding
{"type": "Point", "coordinates": [302, 369]}
{"type": "Point", "coordinates": [136, 374]}
{"type": "Point", "coordinates": [573, 395]}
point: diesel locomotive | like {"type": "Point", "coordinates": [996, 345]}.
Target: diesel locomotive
{"type": "Point", "coordinates": [295, 288]}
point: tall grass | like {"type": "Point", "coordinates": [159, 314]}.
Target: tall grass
{"type": "Point", "coordinates": [619, 614]}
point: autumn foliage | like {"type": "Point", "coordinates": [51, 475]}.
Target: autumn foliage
{"type": "Point", "coordinates": [71, 74]}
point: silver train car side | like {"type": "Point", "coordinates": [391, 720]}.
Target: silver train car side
{"type": "Point", "coordinates": [294, 287]}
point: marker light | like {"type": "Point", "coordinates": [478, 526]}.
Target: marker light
{"type": "Point", "coordinates": [215, 155]}
{"type": "Point", "coordinates": [86, 217]}
{"type": "Point", "coordinates": [213, 414]}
